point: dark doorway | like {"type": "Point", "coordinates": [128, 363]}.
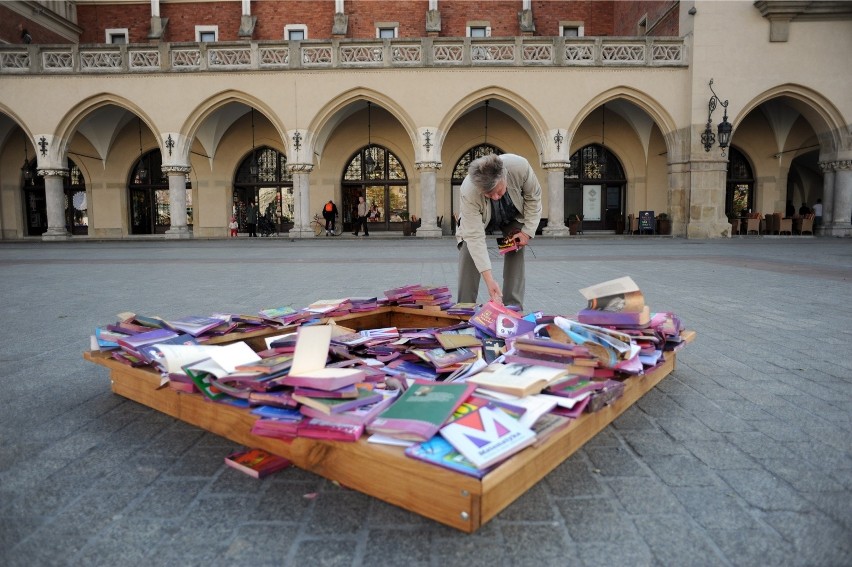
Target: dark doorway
{"type": "Point", "coordinates": [594, 189]}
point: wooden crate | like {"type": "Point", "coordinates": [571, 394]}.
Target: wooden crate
{"type": "Point", "coordinates": [454, 499]}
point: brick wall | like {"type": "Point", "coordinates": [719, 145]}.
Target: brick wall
{"type": "Point", "coordinates": [273, 15]}
{"type": "Point", "coordinates": [596, 16]}
{"type": "Point", "coordinates": [661, 20]}
{"type": "Point", "coordinates": [10, 33]}
{"type": "Point", "coordinates": [599, 17]}
{"type": "Point", "coordinates": [96, 19]}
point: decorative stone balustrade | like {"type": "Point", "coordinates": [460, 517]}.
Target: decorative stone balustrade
{"type": "Point", "coordinates": [343, 54]}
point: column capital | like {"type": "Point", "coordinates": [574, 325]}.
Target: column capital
{"type": "Point", "coordinates": [428, 165]}
{"type": "Point", "coordinates": [176, 169]}
{"type": "Point", "coordinates": [836, 165]}
{"type": "Point", "coordinates": [53, 172]}
{"type": "Point", "coordinates": [300, 167]}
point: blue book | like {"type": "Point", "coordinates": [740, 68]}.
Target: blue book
{"type": "Point", "coordinates": [438, 451]}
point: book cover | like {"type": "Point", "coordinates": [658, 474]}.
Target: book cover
{"type": "Point", "coordinates": [132, 343]}
{"type": "Point", "coordinates": [256, 462]}
{"type": "Point", "coordinates": [441, 358]}
{"type": "Point", "coordinates": [438, 451]}
{"type": "Point", "coordinates": [641, 318]}
{"type": "Point", "coordinates": [421, 410]}
{"type": "Point", "coordinates": [452, 340]}
{"type": "Point", "coordinates": [269, 365]}
{"type": "Point", "coordinates": [485, 318]}
{"type": "Point", "coordinates": [509, 326]}
{"type": "Point", "coordinates": [618, 286]}
{"type": "Point", "coordinates": [194, 325]}
{"type": "Point", "coordinates": [317, 428]}
{"type": "Point", "coordinates": [329, 406]}
{"type": "Point", "coordinates": [518, 379]}
{"type": "Point", "coordinates": [361, 415]}
{"type": "Point", "coordinates": [487, 436]}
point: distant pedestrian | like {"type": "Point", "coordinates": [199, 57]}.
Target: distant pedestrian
{"type": "Point", "coordinates": [234, 227]}
{"type": "Point", "coordinates": [818, 213]}
{"type": "Point", "coordinates": [251, 218]}
{"type": "Point", "coordinates": [361, 217]}
{"type": "Point", "coordinates": [791, 209]}
{"type": "Point", "coordinates": [329, 213]}
{"type": "Point", "coordinates": [804, 209]}
{"type": "Point", "coordinates": [25, 35]}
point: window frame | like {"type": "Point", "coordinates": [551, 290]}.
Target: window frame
{"type": "Point", "coordinates": [295, 28]}
{"type": "Point", "coordinates": [385, 27]}
{"type": "Point", "coordinates": [112, 33]}
{"type": "Point", "coordinates": [478, 25]}
{"type": "Point", "coordinates": [564, 25]}
{"type": "Point", "coordinates": [201, 30]}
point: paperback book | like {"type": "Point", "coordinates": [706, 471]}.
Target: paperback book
{"type": "Point", "coordinates": [256, 462]}
{"type": "Point", "coordinates": [487, 436]}
{"type": "Point", "coordinates": [421, 411]}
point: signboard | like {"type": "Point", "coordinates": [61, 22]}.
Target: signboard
{"type": "Point", "coordinates": [647, 222]}
{"type": "Point", "coordinates": [591, 202]}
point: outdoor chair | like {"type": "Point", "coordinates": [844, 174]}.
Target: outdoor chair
{"type": "Point", "coordinates": [786, 226]}
{"type": "Point", "coordinates": [807, 224]}
{"type": "Point", "coordinates": [632, 224]}
{"type": "Point", "coordinates": [753, 223]}
{"type": "Point", "coordinates": [773, 223]}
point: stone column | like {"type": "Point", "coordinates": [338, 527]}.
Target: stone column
{"type": "Point", "coordinates": [706, 200]}
{"type": "Point", "coordinates": [301, 200]}
{"type": "Point", "coordinates": [428, 199]}
{"type": "Point", "coordinates": [556, 199]}
{"type": "Point", "coordinates": [177, 201]}
{"type": "Point", "coordinates": [842, 214]}
{"type": "Point", "coordinates": [54, 195]}
{"type": "Point", "coordinates": [827, 196]}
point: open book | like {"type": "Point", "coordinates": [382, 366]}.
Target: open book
{"type": "Point", "coordinates": [519, 379]}
{"type": "Point", "coordinates": [309, 358]}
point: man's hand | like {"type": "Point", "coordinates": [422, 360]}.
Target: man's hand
{"type": "Point", "coordinates": [494, 291]}
{"type": "Point", "coordinates": [521, 238]}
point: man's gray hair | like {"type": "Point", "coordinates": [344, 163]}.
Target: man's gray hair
{"type": "Point", "coordinates": [486, 172]}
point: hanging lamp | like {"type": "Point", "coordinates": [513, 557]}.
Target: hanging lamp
{"type": "Point", "coordinates": [141, 172]}
{"type": "Point", "coordinates": [486, 124]}
{"type": "Point", "coordinates": [369, 161]}
{"type": "Point", "coordinates": [602, 157]}
{"type": "Point", "coordinates": [25, 169]}
{"type": "Point", "coordinates": [253, 162]}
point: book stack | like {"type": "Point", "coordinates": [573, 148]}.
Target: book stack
{"type": "Point", "coordinates": [432, 296]}
{"type": "Point", "coordinates": [399, 295]}
{"type": "Point", "coordinates": [617, 303]}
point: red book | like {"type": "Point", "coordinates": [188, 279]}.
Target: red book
{"type": "Point", "coordinates": [256, 462]}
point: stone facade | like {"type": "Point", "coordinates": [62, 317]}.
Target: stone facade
{"type": "Point", "coordinates": [203, 109]}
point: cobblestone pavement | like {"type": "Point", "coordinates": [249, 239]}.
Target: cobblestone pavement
{"type": "Point", "coordinates": [741, 457]}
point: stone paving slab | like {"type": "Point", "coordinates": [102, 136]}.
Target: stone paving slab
{"type": "Point", "coordinates": [740, 457]}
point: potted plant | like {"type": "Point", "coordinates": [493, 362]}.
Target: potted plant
{"type": "Point", "coordinates": [664, 224]}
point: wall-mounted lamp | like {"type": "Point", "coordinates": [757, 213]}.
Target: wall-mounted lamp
{"type": "Point", "coordinates": [708, 138]}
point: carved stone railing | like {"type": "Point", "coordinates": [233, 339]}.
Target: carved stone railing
{"type": "Point", "coordinates": [344, 54]}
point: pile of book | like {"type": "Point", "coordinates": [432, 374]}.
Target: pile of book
{"type": "Point", "coordinates": [466, 396]}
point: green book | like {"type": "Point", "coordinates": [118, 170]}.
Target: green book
{"type": "Point", "coordinates": [421, 410]}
